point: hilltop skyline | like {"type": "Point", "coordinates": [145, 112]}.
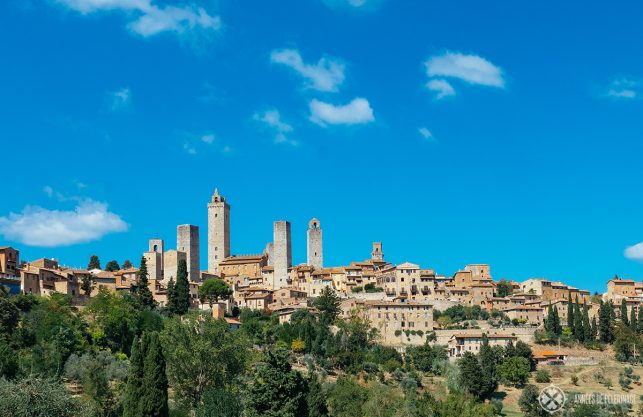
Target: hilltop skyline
{"type": "Point", "coordinates": [507, 135]}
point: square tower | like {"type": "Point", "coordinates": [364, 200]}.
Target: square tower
{"type": "Point", "coordinates": [187, 241]}
{"type": "Point", "coordinates": [218, 231]}
{"type": "Point", "coordinates": [314, 235]}
{"type": "Point", "coordinates": [377, 254]}
{"type": "Point", "coordinates": [283, 253]}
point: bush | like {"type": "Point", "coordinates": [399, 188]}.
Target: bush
{"type": "Point", "coordinates": [357, 289]}
{"type": "Point", "coordinates": [542, 376]}
{"type": "Point", "coordinates": [574, 380]}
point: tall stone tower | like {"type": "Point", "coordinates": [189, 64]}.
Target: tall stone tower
{"type": "Point", "coordinates": [315, 254]}
{"type": "Point", "coordinates": [282, 253]}
{"type": "Point", "coordinates": [377, 254]}
{"type": "Point", "coordinates": [154, 259]}
{"type": "Point", "coordinates": [218, 231]}
{"type": "Point", "coordinates": [187, 241]}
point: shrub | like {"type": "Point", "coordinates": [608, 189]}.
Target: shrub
{"type": "Point", "coordinates": [542, 376]}
{"type": "Point", "coordinates": [357, 289]}
{"type": "Point", "coordinates": [574, 380]}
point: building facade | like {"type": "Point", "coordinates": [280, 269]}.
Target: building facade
{"type": "Point", "coordinates": [187, 241]}
{"type": "Point", "coordinates": [314, 244]}
{"type": "Point", "coordinates": [218, 231]}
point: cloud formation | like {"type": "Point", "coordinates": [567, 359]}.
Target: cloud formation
{"type": "Point", "coordinates": [425, 133]}
{"type": "Point", "coordinates": [441, 87]}
{"type": "Point", "coordinates": [471, 69]}
{"type": "Point", "coordinates": [272, 120]}
{"type": "Point", "coordinates": [36, 226]}
{"type": "Point", "coordinates": [148, 19]}
{"type": "Point", "coordinates": [359, 5]}
{"type": "Point", "coordinates": [326, 75]}
{"type": "Point", "coordinates": [634, 252]}
{"type": "Point", "coordinates": [120, 99]}
{"type": "Point", "coordinates": [623, 88]}
{"type": "Point", "coordinates": [358, 111]}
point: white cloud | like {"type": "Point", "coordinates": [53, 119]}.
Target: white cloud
{"type": "Point", "coordinates": [623, 88]}
{"type": "Point", "coordinates": [36, 226]}
{"type": "Point", "coordinates": [634, 252]}
{"type": "Point", "coordinates": [48, 190]}
{"type": "Point", "coordinates": [357, 111]}
{"type": "Point", "coordinates": [208, 138]}
{"type": "Point", "coordinates": [272, 119]}
{"type": "Point", "coordinates": [148, 19]}
{"type": "Point", "coordinates": [326, 75]}
{"type": "Point", "coordinates": [120, 99]}
{"type": "Point", "coordinates": [368, 5]}
{"type": "Point", "coordinates": [472, 69]}
{"type": "Point", "coordinates": [425, 133]}
{"type": "Point", "coordinates": [441, 87]}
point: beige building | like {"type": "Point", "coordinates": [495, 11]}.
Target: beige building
{"type": "Point", "coordinates": [9, 262]}
{"type": "Point", "coordinates": [396, 317]}
{"type": "Point", "coordinates": [619, 288]}
{"type": "Point", "coordinates": [243, 266]}
{"type": "Point", "coordinates": [471, 342]}
{"type": "Point", "coordinates": [171, 260]}
{"type": "Point", "coordinates": [527, 314]}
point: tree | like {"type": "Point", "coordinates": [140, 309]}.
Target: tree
{"type": "Point", "coordinates": [8, 360]}
{"type": "Point", "coordinates": [154, 398]}
{"type": "Point", "coordinates": [587, 327]}
{"type": "Point", "coordinates": [594, 328]}
{"type": "Point", "coordinates": [504, 288]}
{"type": "Point", "coordinates": [171, 296]}
{"type": "Point", "coordinates": [570, 313]}
{"type": "Point", "coordinates": [488, 363]}
{"type": "Point", "coordinates": [346, 398]}
{"type": "Point", "coordinates": [214, 289]}
{"type": "Point", "coordinates": [94, 262]}
{"type": "Point", "coordinates": [200, 355]}
{"type": "Point", "coordinates": [471, 378]}
{"type": "Point", "coordinates": [522, 349]}
{"type": "Point", "coordinates": [514, 370]}
{"type": "Point", "coordinates": [35, 397]}
{"type": "Point", "coordinates": [624, 312]}
{"type": "Point", "coordinates": [529, 403]}
{"type": "Point", "coordinates": [127, 264]}
{"type": "Point", "coordinates": [579, 331]}
{"type": "Point", "coordinates": [605, 322]}
{"type": "Point", "coordinates": [96, 386]}
{"type": "Point", "coordinates": [276, 389]}
{"type": "Point", "coordinates": [112, 266]}
{"type": "Point", "coordinates": [180, 303]}
{"type": "Point", "coordinates": [134, 388]}
{"type": "Point", "coordinates": [87, 285]}
{"type": "Point", "coordinates": [9, 316]}
{"type": "Point", "coordinates": [557, 327]}
{"type": "Point", "coordinates": [640, 321]}
{"type": "Point", "coordinates": [633, 320]}
{"type": "Point", "coordinates": [316, 398]}
{"type": "Point", "coordinates": [328, 305]}
{"type": "Point", "coordinates": [143, 291]}
{"type": "Point", "coordinates": [219, 402]}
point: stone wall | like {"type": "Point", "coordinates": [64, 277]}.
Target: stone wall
{"type": "Point", "coordinates": [314, 247]}
{"type": "Point", "coordinates": [187, 240]}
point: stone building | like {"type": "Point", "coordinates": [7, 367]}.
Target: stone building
{"type": "Point", "coordinates": [218, 231]}
{"type": "Point", "coordinates": [471, 342]}
{"type": "Point", "coordinates": [377, 254]}
{"type": "Point", "coordinates": [282, 252]}
{"type": "Point", "coordinates": [171, 260]}
{"type": "Point", "coordinates": [249, 266]}
{"type": "Point", "coordinates": [394, 319]}
{"type": "Point", "coordinates": [154, 259]}
{"type": "Point", "coordinates": [187, 240]}
{"type": "Point", "coordinates": [314, 244]}
{"type": "Point", "coordinates": [9, 261]}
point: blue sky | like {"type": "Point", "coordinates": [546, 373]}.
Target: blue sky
{"type": "Point", "coordinates": [455, 132]}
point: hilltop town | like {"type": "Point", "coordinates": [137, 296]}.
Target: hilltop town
{"type": "Point", "coordinates": [398, 300]}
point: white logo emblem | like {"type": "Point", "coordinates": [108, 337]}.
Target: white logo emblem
{"type": "Point", "coordinates": [552, 398]}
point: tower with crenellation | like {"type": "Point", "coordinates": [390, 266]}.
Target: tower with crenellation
{"type": "Point", "coordinates": [314, 244]}
{"type": "Point", "coordinates": [218, 231]}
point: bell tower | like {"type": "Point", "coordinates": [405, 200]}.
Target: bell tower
{"type": "Point", "coordinates": [218, 231]}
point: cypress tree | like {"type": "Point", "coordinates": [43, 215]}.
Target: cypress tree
{"type": "Point", "coordinates": [316, 398]}
{"type": "Point", "coordinates": [570, 314]}
{"type": "Point", "coordinates": [587, 328]}
{"type": "Point", "coordinates": [182, 288]}
{"type": "Point", "coordinates": [624, 312]}
{"type": "Point", "coordinates": [594, 328]}
{"type": "Point", "coordinates": [558, 330]}
{"type": "Point", "coordinates": [640, 321]}
{"type": "Point", "coordinates": [579, 333]}
{"type": "Point", "coordinates": [134, 387]}
{"type": "Point", "coordinates": [144, 294]}
{"type": "Point", "coordinates": [633, 320]}
{"type": "Point", "coordinates": [605, 322]}
{"type": "Point", "coordinates": [154, 397]}
{"type": "Point", "coordinates": [488, 365]}
{"type": "Point", "coordinates": [549, 321]}
{"type": "Point", "coordinates": [171, 296]}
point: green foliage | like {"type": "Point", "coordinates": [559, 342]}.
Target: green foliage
{"type": "Point", "coordinates": [276, 389]}
{"type": "Point", "coordinates": [112, 266]}
{"type": "Point", "coordinates": [606, 322]}
{"type": "Point", "coordinates": [346, 398]}
{"type": "Point", "coordinates": [458, 313]}
{"type": "Point", "coordinates": [623, 312]}
{"type": "Point", "coordinates": [219, 402]}
{"type": "Point", "coordinates": [426, 358]}
{"type": "Point", "coordinates": [8, 360]}
{"type": "Point", "coordinates": [86, 285]}
{"type": "Point", "coordinates": [146, 390]}
{"type": "Point", "coordinates": [514, 370]}
{"type": "Point", "coordinates": [179, 295]}
{"type": "Point", "coordinates": [35, 397]}
{"type": "Point", "coordinates": [371, 288]}
{"type": "Point", "coordinates": [382, 401]}
{"type": "Point", "coordinates": [213, 290]}
{"type": "Point", "coordinates": [504, 288]}
{"type": "Point", "coordinates": [201, 354]}
{"type": "Point", "coordinates": [328, 305]}
{"type": "Point", "coordinates": [78, 366]}
{"type": "Point", "coordinates": [127, 264]}
{"type": "Point", "coordinates": [94, 262]}
{"type": "Point", "coordinates": [9, 316]}
{"type": "Point", "coordinates": [143, 292]}
{"type": "Point", "coordinates": [542, 376]}
{"type": "Point", "coordinates": [529, 404]}
{"type": "Point", "coordinates": [472, 379]}
{"type": "Point", "coordinates": [626, 343]}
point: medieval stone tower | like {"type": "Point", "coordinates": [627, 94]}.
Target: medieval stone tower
{"type": "Point", "coordinates": [377, 254]}
{"type": "Point", "coordinates": [218, 231]}
{"type": "Point", "coordinates": [187, 241]}
{"type": "Point", "coordinates": [282, 253]}
{"type": "Point", "coordinates": [315, 254]}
